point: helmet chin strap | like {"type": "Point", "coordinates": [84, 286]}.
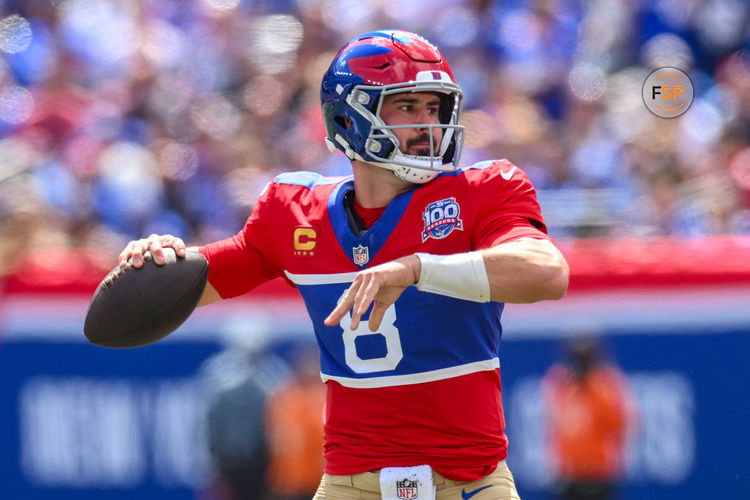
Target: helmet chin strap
{"type": "Point", "coordinates": [409, 174]}
{"type": "Point", "coordinates": [414, 175]}
{"type": "Point", "coordinates": [420, 173]}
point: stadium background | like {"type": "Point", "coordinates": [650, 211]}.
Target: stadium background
{"type": "Point", "coordinates": [123, 118]}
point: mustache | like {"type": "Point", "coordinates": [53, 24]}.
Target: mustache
{"type": "Point", "coordinates": [423, 137]}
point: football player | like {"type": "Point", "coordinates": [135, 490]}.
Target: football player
{"type": "Point", "coordinates": [404, 267]}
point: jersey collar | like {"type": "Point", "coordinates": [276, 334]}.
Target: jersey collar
{"type": "Point", "coordinates": [377, 235]}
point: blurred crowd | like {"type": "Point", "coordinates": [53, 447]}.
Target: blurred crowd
{"type": "Point", "coordinates": [121, 118]}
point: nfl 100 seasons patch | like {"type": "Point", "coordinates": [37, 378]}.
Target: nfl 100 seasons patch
{"type": "Point", "coordinates": [441, 218]}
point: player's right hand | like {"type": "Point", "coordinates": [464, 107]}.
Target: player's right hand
{"type": "Point", "coordinates": [154, 244]}
{"type": "Point", "coordinates": [380, 286]}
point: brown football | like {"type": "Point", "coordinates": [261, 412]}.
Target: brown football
{"type": "Point", "coordinates": [133, 307]}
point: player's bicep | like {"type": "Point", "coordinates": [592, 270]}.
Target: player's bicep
{"type": "Point", "coordinates": [507, 229]}
{"type": "Point", "coordinates": [511, 210]}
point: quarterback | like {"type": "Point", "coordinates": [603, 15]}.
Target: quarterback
{"type": "Point", "coordinates": [404, 267]}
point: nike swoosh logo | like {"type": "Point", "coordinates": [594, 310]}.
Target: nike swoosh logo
{"type": "Point", "coordinates": [465, 495]}
{"type": "Point", "coordinates": [507, 175]}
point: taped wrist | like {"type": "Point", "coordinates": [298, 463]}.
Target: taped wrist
{"type": "Point", "coordinates": [461, 276]}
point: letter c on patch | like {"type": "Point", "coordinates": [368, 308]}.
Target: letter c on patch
{"type": "Point", "coordinates": [304, 238]}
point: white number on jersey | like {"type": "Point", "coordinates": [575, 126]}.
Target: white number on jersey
{"type": "Point", "coordinates": [388, 330]}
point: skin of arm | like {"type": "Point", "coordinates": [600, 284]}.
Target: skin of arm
{"type": "Point", "coordinates": [522, 271]}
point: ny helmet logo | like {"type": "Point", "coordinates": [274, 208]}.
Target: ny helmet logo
{"type": "Point", "coordinates": [440, 219]}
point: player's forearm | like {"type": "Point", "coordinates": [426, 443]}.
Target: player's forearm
{"type": "Point", "coordinates": [526, 270]}
{"type": "Point", "coordinates": [210, 295]}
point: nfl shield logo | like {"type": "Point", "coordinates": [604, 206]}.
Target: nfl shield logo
{"type": "Point", "coordinates": [361, 255]}
{"type": "Point", "coordinates": [406, 489]}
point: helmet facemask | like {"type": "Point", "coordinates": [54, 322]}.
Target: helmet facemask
{"type": "Point", "coordinates": [383, 148]}
{"type": "Point", "coordinates": [372, 67]}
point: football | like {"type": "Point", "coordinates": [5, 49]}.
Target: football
{"type": "Point", "coordinates": [133, 307]}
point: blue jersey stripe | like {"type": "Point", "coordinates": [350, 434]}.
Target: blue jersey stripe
{"type": "Point", "coordinates": [376, 236]}
{"type": "Point", "coordinates": [421, 339]}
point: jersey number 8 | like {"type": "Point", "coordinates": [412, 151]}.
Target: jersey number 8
{"type": "Point", "coordinates": [388, 330]}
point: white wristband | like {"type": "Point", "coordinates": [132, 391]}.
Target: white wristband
{"type": "Point", "coordinates": [461, 276]}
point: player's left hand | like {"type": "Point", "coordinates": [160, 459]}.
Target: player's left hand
{"type": "Point", "coordinates": [381, 286]}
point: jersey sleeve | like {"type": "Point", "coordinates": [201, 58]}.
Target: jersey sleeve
{"type": "Point", "coordinates": [511, 210]}
{"type": "Point", "coordinates": [241, 262]}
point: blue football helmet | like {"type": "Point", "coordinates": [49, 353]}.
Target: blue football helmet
{"type": "Point", "coordinates": [381, 63]}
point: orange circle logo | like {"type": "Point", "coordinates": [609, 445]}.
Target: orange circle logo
{"type": "Point", "coordinates": [667, 92]}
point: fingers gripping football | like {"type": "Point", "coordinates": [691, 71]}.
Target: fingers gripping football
{"type": "Point", "coordinates": [154, 244]}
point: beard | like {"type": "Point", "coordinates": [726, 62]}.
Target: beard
{"type": "Point", "coordinates": [421, 150]}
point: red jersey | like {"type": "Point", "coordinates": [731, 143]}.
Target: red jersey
{"type": "Point", "coordinates": [425, 388]}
